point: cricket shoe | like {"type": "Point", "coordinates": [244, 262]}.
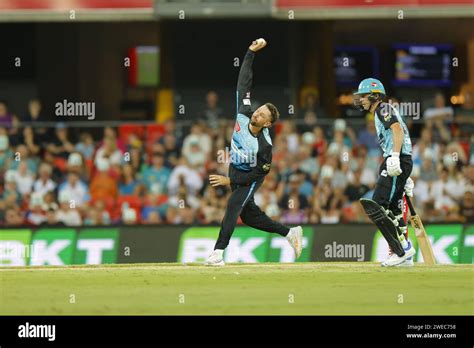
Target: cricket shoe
{"type": "Point", "coordinates": [407, 263]}
{"type": "Point", "coordinates": [295, 238]}
{"type": "Point", "coordinates": [395, 260]}
{"type": "Point", "coordinates": [216, 258]}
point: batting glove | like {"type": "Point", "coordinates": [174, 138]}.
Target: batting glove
{"type": "Point", "coordinates": [409, 186]}
{"type": "Point", "coordinates": [393, 164]}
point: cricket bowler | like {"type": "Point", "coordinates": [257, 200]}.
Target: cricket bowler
{"type": "Point", "coordinates": [251, 158]}
{"type": "Point", "coordinates": [385, 207]}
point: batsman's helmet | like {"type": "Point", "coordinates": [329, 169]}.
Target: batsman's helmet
{"type": "Point", "coordinates": [373, 87]}
{"type": "Point", "coordinates": [370, 85]}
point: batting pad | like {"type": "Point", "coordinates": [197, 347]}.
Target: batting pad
{"type": "Point", "coordinates": [377, 214]}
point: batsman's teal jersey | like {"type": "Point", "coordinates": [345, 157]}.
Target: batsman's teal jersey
{"type": "Point", "coordinates": [385, 116]}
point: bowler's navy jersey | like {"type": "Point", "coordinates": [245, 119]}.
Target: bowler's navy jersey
{"type": "Point", "coordinates": [250, 154]}
{"type": "Point", "coordinates": [385, 116]}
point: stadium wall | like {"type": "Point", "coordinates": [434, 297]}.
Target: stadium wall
{"type": "Point", "coordinates": [452, 243]}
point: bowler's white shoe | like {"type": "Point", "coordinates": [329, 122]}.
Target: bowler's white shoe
{"type": "Point", "coordinates": [395, 260]}
{"type": "Point", "coordinates": [295, 238]}
{"type": "Point", "coordinates": [216, 258]}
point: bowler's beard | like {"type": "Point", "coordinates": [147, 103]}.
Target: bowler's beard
{"type": "Point", "coordinates": [253, 122]}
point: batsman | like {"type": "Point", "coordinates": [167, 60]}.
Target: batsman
{"type": "Point", "coordinates": [385, 207]}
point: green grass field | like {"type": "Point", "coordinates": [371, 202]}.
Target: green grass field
{"type": "Point", "coordinates": [250, 289]}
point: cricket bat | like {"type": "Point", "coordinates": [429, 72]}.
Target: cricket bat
{"type": "Point", "coordinates": [421, 236]}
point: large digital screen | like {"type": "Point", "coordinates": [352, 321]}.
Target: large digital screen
{"type": "Point", "coordinates": [355, 63]}
{"type": "Point", "coordinates": [144, 68]}
{"type": "Point", "coordinates": [423, 65]}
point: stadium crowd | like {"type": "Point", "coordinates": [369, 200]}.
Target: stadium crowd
{"type": "Point", "coordinates": [153, 174]}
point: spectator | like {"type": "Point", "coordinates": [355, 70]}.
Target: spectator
{"type": "Point", "coordinates": [465, 114]}
{"type": "Point", "coordinates": [369, 173]}
{"type": "Point", "coordinates": [368, 137]}
{"type": "Point", "coordinates": [310, 113]}
{"type": "Point", "coordinates": [265, 197]}
{"type": "Point", "coordinates": [175, 189]}
{"type": "Point", "coordinates": [49, 200]}
{"type": "Point", "coordinates": [111, 134]}
{"type": "Point", "coordinates": [438, 118]}
{"type": "Point", "coordinates": [129, 216]}
{"type": "Point", "coordinates": [195, 154]}
{"type": "Point", "coordinates": [425, 142]}
{"type": "Point", "coordinates": [469, 175]}
{"type": "Point", "coordinates": [51, 219]}
{"type": "Point", "coordinates": [103, 186]}
{"type": "Point", "coordinates": [22, 155]}
{"type": "Point", "coordinates": [192, 180]}
{"type": "Point", "coordinates": [50, 159]}
{"type": "Point", "coordinates": [171, 128]}
{"type": "Point", "coordinates": [172, 152]}
{"type": "Point", "coordinates": [439, 111]}
{"type": "Point", "coordinates": [61, 145]}
{"type": "Point", "coordinates": [212, 112]}
{"type": "Point", "coordinates": [137, 160]}
{"type": "Point", "coordinates": [74, 188]}
{"type": "Point", "coordinates": [327, 202]}
{"type": "Point", "coordinates": [294, 214]}
{"type": "Point", "coordinates": [338, 147]}
{"type": "Point", "coordinates": [128, 184]}
{"type": "Point", "coordinates": [157, 176]}
{"type": "Point", "coordinates": [6, 154]}
{"type": "Point", "coordinates": [66, 214]}
{"type": "Point", "coordinates": [467, 208]}
{"type": "Point", "coordinates": [110, 152]}
{"type": "Point", "coordinates": [24, 179]}
{"type": "Point", "coordinates": [10, 191]}
{"type": "Point", "coordinates": [44, 183]}
{"type": "Point", "coordinates": [36, 216]}
{"type": "Point", "coordinates": [14, 132]}
{"type": "Point", "coordinates": [445, 191]}
{"type": "Point", "coordinates": [288, 131]}
{"type": "Point", "coordinates": [85, 145]}
{"type": "Point", "coordinates": [29, 139]}
{"type": "Point", "coordinates": [356, 190]}
{"type": "Point", "coordinates": [308, 164]}
{"type": "Point", "coordinates": [14, 217]}
{"type": "Point", "coordinates": [97, 215]}
{"type": "Point", "coordinates": [6, 119]}
{"type": "Point", "coordinates": [212, 208]}
{"type": "Point", "coordinates": [198, 136]}
{"type": "Point", "coordinates": [343, 176]}
{"type": "Point", "coordinates": [152, 218]}
{"type": "Point", "coordinates": [182, 206]}
{"type": "Point", "coordinates": [320, 144]}
{"type": "Point", "coordinates": [75, 164]}
{"type": "Point", "coordinates": [154, 203]}
{"type": "Point", "coordinates": [280, 150]}
{"type": "Point", "coordinates": [294, 196]}
{"type": "Point", "coordinates": [35, 115]}
{"type": "Point", "coordinates": [428, 170]}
